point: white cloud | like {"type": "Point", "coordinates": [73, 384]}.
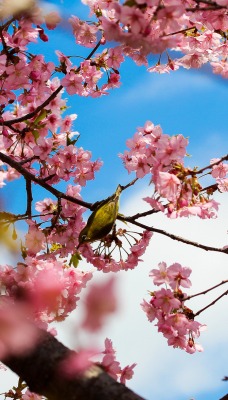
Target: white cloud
{"type": "Point", "coordinates": [149, 87]}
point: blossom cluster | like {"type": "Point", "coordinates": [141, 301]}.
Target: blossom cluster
{"type": "Point", "coordinates": [81, 361]}
{"type": "Point", "coordinates": [144, 27]}
{"type": "Point", "coordinates": [112, 366]}
{"type": "Point", "coordinates": [162, 157]}
{"type": "Point", "coordinates": [49, 287]}
{"type": "Point", "coordinates": [167, 305]}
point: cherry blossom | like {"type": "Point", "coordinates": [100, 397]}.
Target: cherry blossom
{"type": "Point", "coordinates": [100, 301]}
{"type": "Point", "coordinates": [174, 320]}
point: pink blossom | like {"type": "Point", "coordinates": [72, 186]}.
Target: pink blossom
{"type": "Point", "coordinates": [134, 17]}
{"type": "Point", "coordinates": [178, 342]}
{"type": "Point", "coordinates": [65, 60]}
{"type": "Point", "coordinates": [192, 347]}
{"type": "Point", "coordinates": [109, 363]}
{"type": "Point", "coordinates": [73, 83]}
{"type": "Point", "coordinates": [47, 289]}
{"type": "Point", "coordinates": [18, 76]}
{"type": "Point", "coordinates": [30, 396]}
{"type": "Point", "coordinates": [127, 373]}
{"type": "Point", "coordinates": [84, 33]}
{"type": "Point", "coordinates": [34, 239]}
{"type": "Point", "coordinates": [168, 185]}
{"type": "Point", "coordinates": [160, 68]}
{"type": "Point", "coordinates": [100, 301]}
{"type": "Point", "coordinates": [115, 57]}
{"type": "Point", "coordinates": [109, 349]}
{"type": "Point", "coordinates": [160, 275]}
{"type": "Point", "coordinates": [46, 206]}
{"type": "Point", "coordinates": [165, 300]}
{"type": "Point", "coordinates": [192, 61]}
{"type": "Point", "coordinates": [150, 310]}
{"type": "Point", "coordinates": [178, 276]}
{"type": "Point", "coordinates": [220, 170]}
{"type": "Point", "coordinates": [223, 185]}
{"type": "Point", "coordinates": [52, 19]}
{"type": "Point", "coordinates": [43, 147]}
{"type": "Point", "coordinates": [155, 204]}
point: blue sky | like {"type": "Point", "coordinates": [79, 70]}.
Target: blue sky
{"type": "Point", "coordinates": [193, 103]}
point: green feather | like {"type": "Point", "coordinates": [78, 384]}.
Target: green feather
{"type": "Point", "coordinates": [102, 219]}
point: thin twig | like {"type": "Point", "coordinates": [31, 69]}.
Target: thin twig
{"type": "Point", "coordinates": [172, 236]}
{"type": "Point", "coordinates": [224, 158]}
{"type": "Point", "coordinates": [206, 291]}
{"type": "Point", "coordinates": [29, 198]}
{"type": "Point", "coordinates": [129, 184]}
{"type": "Point", "coordinates": [211, 304]}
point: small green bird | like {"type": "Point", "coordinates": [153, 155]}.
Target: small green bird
{"type": "Point", "coordinates": [102, 219]}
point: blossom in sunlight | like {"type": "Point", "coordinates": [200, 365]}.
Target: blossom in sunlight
{"type": "Point", "coordinates": [167, 185]}
{"type": "Point", "coordinates": [167, 305]}
{"type": "Point", "coordinates": [220, 170]}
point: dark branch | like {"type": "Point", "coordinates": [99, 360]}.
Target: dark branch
{"type": "Point", "coordinates": [28, 175]}
{"type": "Point", "coordinates": [46, 357]}
{"type": "Point", "coordinates": [211, 304]}
{"type": "Point", "coordinates": [60, 195]}
{"type": "Point", "coordinates": [172, 236]}
{"type": "Point", "coordinates": [29, 198]}
{"type": "Point", "coordinates": [206, 291]}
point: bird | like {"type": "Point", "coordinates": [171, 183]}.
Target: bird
{"type": "Point", "coordinates": [102, 219]}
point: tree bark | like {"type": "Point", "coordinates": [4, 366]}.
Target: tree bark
{"type": "Point", "coordinates": [40, 370]}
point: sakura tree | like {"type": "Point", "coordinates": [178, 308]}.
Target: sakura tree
{"type": "Point", "coordinates": [59, 252]}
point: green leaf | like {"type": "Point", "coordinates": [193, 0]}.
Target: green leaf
{"type": "Point", "coordinates": [75, 258]}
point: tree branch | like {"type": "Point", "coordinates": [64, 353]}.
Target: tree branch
{"type": "Point", "coordinates": [211, 304]}
{"type": "Point", "coordinates": [46, 357]}
{"type": "Point", "coordinates": [224, 158]}
{"type": "Point", "coordinates": [206, 291]}
{"type": "Point", "coordinates": [60, 195]}
{"type": "Point", "coordinates": [28, 175]}
{"type": "Point", "coordinates": [172, 236]}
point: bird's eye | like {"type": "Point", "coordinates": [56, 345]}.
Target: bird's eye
{"type": "Point", "coordinates": [84, 237]}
